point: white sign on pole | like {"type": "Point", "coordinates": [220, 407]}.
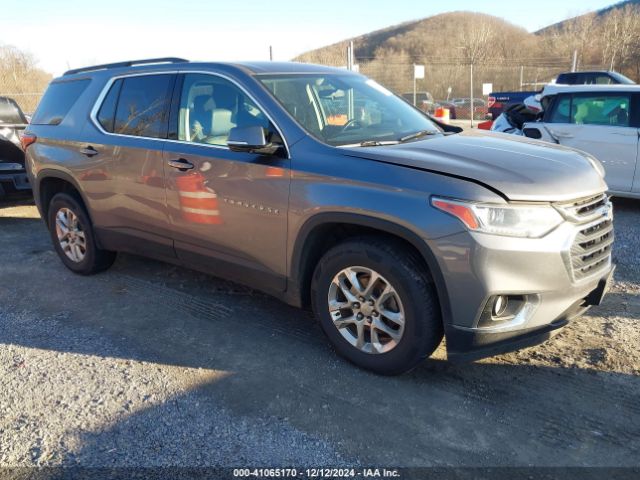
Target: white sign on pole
{"type": "Point", "coordinates": [418, 71]}
{"type": "Point", "coordinates": [487, 88]}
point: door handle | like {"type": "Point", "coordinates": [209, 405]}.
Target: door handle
{"type": "Point", "coordinates": [181, 164]}
{"type": "Point", "coordinates": [89, 151]}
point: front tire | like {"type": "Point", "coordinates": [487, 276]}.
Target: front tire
{"type": "Point", "coordinates": [376, 303]}
{"type": "Point", "coordinates": [73, 237]}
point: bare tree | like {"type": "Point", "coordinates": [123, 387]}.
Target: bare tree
{"type": "Point", "coordinates": [476, 42]}
{"type": "Point", "coordinates": [20, 78]}
{"type": "Point", "coordinates": [575, 34]}
{"type": "Point", "coordinates": [620, 29]}
{"type": "Point", "coordinates": [447, 44]}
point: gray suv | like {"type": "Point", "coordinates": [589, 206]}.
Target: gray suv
{"type": "Point", "coordinates": [321, 187]}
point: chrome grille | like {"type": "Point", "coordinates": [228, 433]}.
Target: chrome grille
{"type": "Point", "coordinates": [584, 209]}
{"type": "Point", "coordinates": [591, 249]}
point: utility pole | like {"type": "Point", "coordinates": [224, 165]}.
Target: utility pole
{"type": "Point", "coordinates": [350, 56]}
{"type": "Point", "coordinates": [575, 61]}
{"type": "Point", "coordinates": [271, 53]}
{"type": "Point", "coordinates": [471, 82]}
{"type": "Point", "coordinates": [351, 53]}
{"type": "Point", "coordinates": [521, 77]}
{"type": "Point", "coordinates": [414, 85]}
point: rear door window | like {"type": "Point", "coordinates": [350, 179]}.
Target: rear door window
{"type": "Point", "coordinates": [142, 106]}
{"type": "Point", "coordinates": [58, 100]}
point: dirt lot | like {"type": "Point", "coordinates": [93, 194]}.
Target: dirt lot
{"type": "Point", "coordinates": [149, 364]}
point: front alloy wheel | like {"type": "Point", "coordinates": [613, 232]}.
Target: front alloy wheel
{"type": "Point", "coordinates": [375, 301]}
{"type": "Point", "coordinates": [366, 310]}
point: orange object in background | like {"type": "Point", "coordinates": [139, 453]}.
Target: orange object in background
{"type": "Point", "coordinates": [198, 204]}
{"type": "Point", "coordinates": [442, 114]}
{"type": "Point", "coordinates": [338, 120]}
{"type": "Point", "coordinates": [485, 125]}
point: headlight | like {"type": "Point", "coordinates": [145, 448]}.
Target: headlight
{"type": "Point", "coordinates": [530, 221]}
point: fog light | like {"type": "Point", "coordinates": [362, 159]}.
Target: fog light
{"type": "Point", "coordinates": [501, 309]}
{"type": "Point", "coordinates": [499, 306]}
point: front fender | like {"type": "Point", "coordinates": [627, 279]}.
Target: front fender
{"type": "Point", "coordinates": [298, 263]}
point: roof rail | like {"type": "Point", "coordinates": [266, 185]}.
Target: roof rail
{"type": "Point", "coordinates": [129, 63]}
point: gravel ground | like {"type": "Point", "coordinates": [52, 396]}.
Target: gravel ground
{"type": "Point", "coordinates": [153, 365]}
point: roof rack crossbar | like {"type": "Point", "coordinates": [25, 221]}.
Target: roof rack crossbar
{"type": "Point", "coordinates": [129, 63]}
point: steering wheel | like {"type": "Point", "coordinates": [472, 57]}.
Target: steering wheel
{"type": "Point", "coordinates": [353, 123]}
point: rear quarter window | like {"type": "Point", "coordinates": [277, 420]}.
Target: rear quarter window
{"type": "Point", "coordinates": [58, 100]}
{"type": "Point", "coordinates": [107, 112]}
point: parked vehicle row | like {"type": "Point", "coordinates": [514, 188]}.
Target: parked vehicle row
{"type": "Point", "coordinates": [321, 187]}
{"type": "Point", "coordinates": [13, 177]}
{"type": "Point", "coordinates": [458, 107]}
{"type": "Point", "coordinates": [501, 101]}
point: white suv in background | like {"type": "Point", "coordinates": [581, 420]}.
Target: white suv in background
{"type": "Point", "coordinates": [602, 120]}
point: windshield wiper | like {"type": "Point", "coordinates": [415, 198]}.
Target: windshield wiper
{"type": "Point", "coordinates": [371, 143]}
{"type": "Point", "coordinates": [421, 133]}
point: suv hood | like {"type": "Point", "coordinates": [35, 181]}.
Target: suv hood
{"type": "Point", "coordinates": [519, 168]}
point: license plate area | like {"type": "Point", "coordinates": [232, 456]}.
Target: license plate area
{"type": "Point", "coordinates": [597, 295]}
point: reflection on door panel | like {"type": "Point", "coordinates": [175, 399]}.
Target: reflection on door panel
{"type": "Point", "coordinates": [223, 204]}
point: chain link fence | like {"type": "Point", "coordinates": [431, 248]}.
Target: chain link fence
{"type": "Point", "coordinates": [22, 89]}
{"type": "Point", "coordinates": [446, 80]}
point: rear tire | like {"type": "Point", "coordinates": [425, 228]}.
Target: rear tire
{"type": "Point", "coordinates": [400, 322]}
{"type": "Point", "coordinates": [73, 237]}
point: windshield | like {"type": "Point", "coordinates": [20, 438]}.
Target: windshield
{"type": "Point", "coordinates": [10, 112]}
{"type": "Point", "coordinates": [622, 79]}
{"type": "Point", "coordinates": [347, 109]}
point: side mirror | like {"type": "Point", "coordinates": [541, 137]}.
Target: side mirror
{"type": "Point", "coordinates": [250, 140]}
{"type": "Point", "coordinates": [532, 133]}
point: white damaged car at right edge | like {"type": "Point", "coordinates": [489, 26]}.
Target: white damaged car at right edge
{"type": "Point", "coordinates": [601, 120]}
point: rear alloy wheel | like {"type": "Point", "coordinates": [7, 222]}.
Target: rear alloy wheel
{"type": "Point", "coordinates": [73, 238]}
{"type": "Point", "coordinates": [377, 305]}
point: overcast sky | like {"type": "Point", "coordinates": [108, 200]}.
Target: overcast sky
{"type": "Point", "coordinates": [65, 34]}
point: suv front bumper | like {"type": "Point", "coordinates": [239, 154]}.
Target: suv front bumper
{"type": "Point", "coordinates": [464, 345]}
{"type": "Point", "coordinates": [476, 268]}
